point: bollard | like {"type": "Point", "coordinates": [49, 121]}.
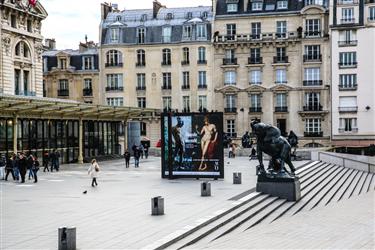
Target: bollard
{"type": "Point", "coordinates": [205, 188]}
{"type": "Point", "coordinates": [157, 205]}
{"type": "Point", "coordinates": [67, 238]}
{"type": "Point", "coordinates": [237, 178]}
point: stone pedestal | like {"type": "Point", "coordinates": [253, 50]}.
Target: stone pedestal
{"type": "Point", "coordinates": [157, 205]}
{"type": "Point", "coordinates": [282, 187]}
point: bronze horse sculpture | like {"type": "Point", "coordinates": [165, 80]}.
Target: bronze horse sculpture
{"type": "Point", "coordinates": [270, 141]}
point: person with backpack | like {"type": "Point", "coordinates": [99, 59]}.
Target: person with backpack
{"type": "Point", "coordinates": [94, 172]}
{"type": "Point", "coordinates": [127, 158]}
{"type": "Point", "coordinates": [35, 168]}
{"type": "Point", "coordinates": [9, 168]}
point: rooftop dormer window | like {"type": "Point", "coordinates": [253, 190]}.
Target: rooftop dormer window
{"type": "Point", "coordinates": [232, 7]}
{"type": "Point", "coordinates": [118, 18]}
{"type": "Point", "coordinates": [144, 18]}
{"type": "Point", "coordinates": [169, 16]}
{"type": "Point", "coordinates": [257, 5]}
{"type": "Point", "coordinates": [115, 34]}
{"type": "Point", "coordinates": [282, 5]}
{"type": "Point", "coordinates": [189, 15]}
{"type": "Point", "coordinates": [204, 14]}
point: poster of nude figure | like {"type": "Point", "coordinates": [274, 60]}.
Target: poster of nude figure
{"type": "Point", "coordinates": [192, 145]}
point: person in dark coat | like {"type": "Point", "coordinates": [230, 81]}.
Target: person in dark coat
{"type": "Point", "coordinates": [52, 158]}
{"type": "Point", "coordinates": [9, 168]}
{"type": "Point", "coordinates": [35, 168]}
{"type": "Point", "coordinates": [137, 155]}
{"type": "Point", "coordinates": [45, 162]}
{"type": "Point", "coordinates": [127, 158]}
{"type": "Point", "coordinates": [57, 154]}
{"type": "Point", "coordinates": [30, 163]}
{"type": "Point", "coordinates": [22, 164]}
{"type": "Point", "coordinates": [146, 151]}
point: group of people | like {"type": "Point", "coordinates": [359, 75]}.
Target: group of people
{"type": "Point", "coordinates": [52, 158]}
{"type": "Point", "coordinates": [138, 152]}
{"type": "Point", "coordinates": [17, 165]}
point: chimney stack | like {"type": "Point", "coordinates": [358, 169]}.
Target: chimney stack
{"type": "Point", "coordinates": [156, 5]}
{"type": "Point", "coordinates": [105, 9]}
{"type": "Point", "coordinates": [50, 43]}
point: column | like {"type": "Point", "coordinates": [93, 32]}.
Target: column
{"type": "Point", "coordinates": [125, 134]}
{"type": "Point", "coordinates": [15, 129]}
{"type": "Point", "coordinates": [80, 142]}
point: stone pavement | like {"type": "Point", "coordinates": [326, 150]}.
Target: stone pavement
{"type": "Point", "coordinates": [116, 214]}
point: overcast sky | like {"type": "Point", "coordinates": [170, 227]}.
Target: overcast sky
{"type": "Point", "coordinates": [69, 21]}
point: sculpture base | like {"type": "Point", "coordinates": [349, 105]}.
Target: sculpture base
{"type": "Point", "coordinates": [285, 187]}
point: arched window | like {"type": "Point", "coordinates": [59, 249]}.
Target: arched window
{"type": "Point", "coordinates": [166, 57]}
{"type": "Point", "coordinates": [114, 58]}
{"type": "Point", "coordinates": [141, 58]}
{"type": "Point", "coordinates": [22, 49]}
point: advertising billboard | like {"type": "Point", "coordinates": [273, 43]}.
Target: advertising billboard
{"type": "Point", "coordinates": [192, 145]}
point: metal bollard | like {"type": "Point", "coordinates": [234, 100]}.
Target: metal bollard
{"type": "Point", "coordinates": [157, 205]}
{"type": "Point", "coordinates": [205, 188]}
{"type": "Point", "coordinates": [67, 238]}
{"type": "Point", "coordinates": [237, 178]}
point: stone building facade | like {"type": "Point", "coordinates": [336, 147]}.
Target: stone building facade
{"type": "Point", "coordinates": [272, 62]}
{"type": "Point", "coordinates": [352, 25]}
{"type": "Point", "coordinates": [157, 58]}
{"type": "Point", "coordinates": [21, 48]}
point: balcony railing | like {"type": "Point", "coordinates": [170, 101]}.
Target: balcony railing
{"type": "Point", "coordinates": [185, 87]}
{"type": "Point", "coordinates": [348, 109]}
{"type": "Point", "coordinates": [255, 83]}
{"type": "Point", "coordinates": [230, 110]}
{"type": "Point", "coordinates": [113, 88]}
{"type": "Point", "coordinates": [63, 92]}
{"type": "Point", "coordinates": [202, 62]}
{"type": "Point", "coordinates": [202, 86]}
{"type": "Point", "coordinates": [351, 130]}
{"type": "Point", "coordinates": [113, 64]}
{"type": "Point", "coordinates": [281, 109]}
{"type": "Point", "coordinates": [140, 64]}
{"type": "Point", "coordinates": [312, 82]}
{"type": "Point", "coordinates": [347, 20]}
{"type": "Point", "coordinates": [280, 59]}
{"type": "Point", "coordinates": [281, 82]}
{"type": "Point", "coordinates": [166, 63]}
{"type": "Point", "coordinates": [256, 37]}
{"type": "Point", "coordinates": [281, 35]}
{"type": "Point", "coordinates": [185, 62]}
{"type": "Point", "coordinates": [348, 87]}
{"type": "Point", "coordinates": [255, 109]}
{"type": "Point", "coordinates": [229, 61]}
{"type": "Point", "coordinates": [342, 2]}
{"type": "Point", "coordinates": [25, 93]}
{"type": "Point", "coordinates": [255, 60]}
{"type": "Point", "coordinates": [312, 58]}
{"type": "Point", "coordinates": [347, 65]}
{"type": "Point", "coordinates": [87, 92]}
{"type": "Point", "coordinates": [348, 43]}
{"type": "Point", "coordinates": [231, 135]}
{"type": "Point", "coordinates": [140, 88]}
{"type": "Point", "coordinates": [317, 107]}
{"type": "Point", "coordinates": [314, 2]}
{"type": "Point", "coordinates": [313, 34]}
{"type": "Point", "coordinates": [313, 134]}
{"type": "Point", "coordinates": [166, 87]}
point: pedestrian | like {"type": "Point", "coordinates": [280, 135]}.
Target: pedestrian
{"type": "Point", "coordinates": [35, 169]}
{"type": "Point", "coordinates": [57, 154]}
{"type": "Point", "coordinates": [146, 151]}
{"type": "Point", "coordinates": [16, 166]}
{"type": "Point", "coordinates": [45, 162]}
{"type": "Point", "coordinates": [30, 163]}
{"type": "Point", "coordinates": [127, 158]}
{"type": "Point", "coordinates": [93, 172]}
{"type": "Point", "coordinates": [253, 154]}
{"type": "Point", "coordinates": [9, 168]}
{"type": "Point", "coordinates": [140, 148]}
{"type": "Point", "coordinates": [230, 155]}
{"type": "Point", "coordinates": [233, 150]}
{"type": "Point", "coordinates": [137, 154]}
{"type": "Point", "coordinates": [22, 165]}
{"type": "Point", "coordinates": [52, 158]}
{"type": "Point", "coordinates": [3, 163]}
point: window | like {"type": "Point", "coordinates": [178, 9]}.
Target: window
{"type": "Point", "coordinates": [255, 101]}
{"type": "Point", "coordinates": [312, 101]}
{"type": "Point", "coordinates": [167, 34]}
{"type": "Point", "coordinates": [186, 32]}
{"type": "Point", "coordinates": [312, 27]}
{"type": "Point", "coordinates": [87, 83]}
{"type": "Point", "coordinates": [186, 103]}
{"type": "Point", "coordinates": [371, 15]}
{"type": "Point", "coordinates": [141, 57]}
{"type": "Point", "coordinates": [230, 101]}
{"type": "Point", "coordinates": [141, 102]}
{"type": "Point", "coordinates": [231, 128]}
{"type": "Point", "coordinates": [281, 100]}
{"type": "Point", "coordinates": [282, 5]}
{"type": "Point", "coordinates": [189, 15]}
{"type": "Point", "coordinates": [232, 7]}
{"type": "Point", "coordinates": [167, 81]}
{"type": "Point", "coordinates": [312, 52]}
{"type": "Point", "coordinates": [167, 102]}
{"type": "Point", "coordinates": [255, 76]}
{"type": "Point", "coordinates": [201, 31]}
{"type": "Point", "coordinates": [118, 18]}
{"type": "Point", "coordinates": [280, 53]}
{"type": "Point", "coordinates": [348, 59]}
{"type": "Point", "coordinates": [347, 37]}
{"type": "Point", "coordinates": [204, 14]}
{"type": "Point", "coordinates": [115, 34]}
{"type": "Point", "coordinates": [348, 125]}
{"type": "Point", "coordinates": [281, 29]}
{"type": "Point", "coordinates": [202, 102]}
{"type": "Point", "coordinates": [117, 101]}
{"type": "Point", "coordinates": [347, 15]}
{"type": "Point", "coordinates": [230, 78]}
{"type": "Point", "coordinates": [201, 54]}
{"type": "Point", "coordinates": [231, 31]}
{"type": "Point", "coordinates": [313, 125]}
{"type": "Point", "coordinates": [29, 26]}
{"type": "Point", "coordinates": [13, 21]}
{"type": "Point", "coordinates": [185, 55]}
{"type": "Point", "coordinates": [186, 80]}
{"type": "Point", "coordinates": [256, 30]}
{"type": "Point", "coordinates": [166, 57]}
{"type": "Point", "coordinates": [63, 84]}
{"type": "Point", "coordinates": [202, 82]}
{"type": "Point", "coordinates": [88, 63]}
{"type": "Point", "coordinates": [255, 55]}
{"type": "Point", "coordinates": [348, 81]}
{"type": "Point", "coordinates": [45, 64]}
{"type": "Point", "coordinates": [312, 75]}
{"type": "Point", "coordinates": [169, 16]}
{"type": "Point", "coordinates": [281, 76]}
{"type": "Point", "coordinates": [114, 82]}
{"type": "Point", "coordinates": [62, 63]}
{"type": "Point", "coordinates": [313, 2]}
{"type": "Point", "coordinates": [26, 50]}
{"type": "Point", "coordinates": [141, 81]}
{"type": "Point", "coordinates": [141, 33]}
{"type": "Point", "coordinates": [256, 6]}
{"type": "Point", "coordinates": [114, 58]}
{"type": "Point", "coordinates": [348, 103]}
{"type": "Point", "coordinates": [144, 17]}
{"type": "Point", "coordinates": [230, 54]}
{"type": "Point", "coordinates": [18, 49]}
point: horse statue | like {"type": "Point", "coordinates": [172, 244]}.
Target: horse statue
{"type": "Point", "coordinates": [270, 141]}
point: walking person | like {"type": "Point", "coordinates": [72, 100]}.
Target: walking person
{"type": "Point", "coordinates": [52, 158]}
{"type": "Point", "coordinates": [93, 172]}
{"type": "Point", "coordinates": [57, 157]}
{"type": "Point", "coordinates": [35, 169]}
{"type": "Point", "coordinates": [146, 150]}
{"type": "Point", "coordinates": [140, 148]}
{"type": "Point", "coordinates": [253, 154]}
{"type": "Point", "coordinates": [127, 158]}
{"type": "Point", "coordinates": [137, 155]}
{"type": "Point", "coordinates": [3, 163]}
{"type": "Point", "coordinates": [45, 162]}
{"type": "Point", "coordinates": [9, 168]}
{"type": "Point", "coordinates": [22, 164]}
{"type": "Point", "coordinates": [16, 166]}
{"type": "Point", "coordinates": [30, 163]}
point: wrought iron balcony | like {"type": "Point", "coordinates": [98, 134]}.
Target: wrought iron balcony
{"type": "Point", "coordinates": [348, 130]}
{"type": "Point", "coordinates": [316, 107]}
{"type": "Point", "coordinates": [185, 62]}
{"type": "Point", "coordinates": [312, 82]}
{"type": "Point", "coordinates": [281, 82]}
{"type": "Point", "coordinates": [280, 59]}
{"type": "Point", "coordinates": [229, 61]}
{"type": "Point", "coordinates": [114, 88]}
{"type": "Point", "coordinates": [63, 92]}
{"type": "Point", "coordinates": [313, 134]}
{"type": "Point", "coordinates": [348, 43]}
{"type": "Point", "coordinates": [255, 60]}
{"type": "Point", "coordinates": [347, 20]}
{"type": "Point", "coordinates": [114, 64]}
{"type": "Point", "coordinates": [255, 109]}
{"type": "Point", "coordinates": [185, 87]}
{"type": "Point", "coordinates": [166, 63]}
{"type": "Point", "coordinates": [166, 87]}
{"type": "Point", "coordinates": [348, 87]}
{"type": "Point", "coordinates": [255, 83]}
{"type": "Point", "coordinates": [202, 86]}
{"type": "Point", "coordinates": [230, 110]}
{"type": "Point", "coordinates": [140, 88]}
{"type": "Point", "coordinates": [140, 64]}
{"type": "Point", "coordinates": [281, 109]}
{"type": "Point", "coordinates": [202, 62]}
{"type": "Point", "coordinates": [313, 34]}
{"type": "Point", "coordinates": [312, 58]}
{"type": "Point", "coordinates": [348, 65]}
{"type": "Point", "coordinates": [87, 92]}
{"type": "Point", "coordinates": [343, 2]}
{"type": "Point", "coordinates": [348, 109]}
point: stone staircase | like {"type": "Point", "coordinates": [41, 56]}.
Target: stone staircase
{"type": "Point", "coordinates": [321, 185]}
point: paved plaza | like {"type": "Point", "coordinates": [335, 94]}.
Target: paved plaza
{"type": "Point", "coordinates": [117, 213]}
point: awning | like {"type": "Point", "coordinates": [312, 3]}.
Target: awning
{"type": "Point", "coordinates": [51, 108]}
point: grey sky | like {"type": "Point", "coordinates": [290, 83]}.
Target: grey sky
{"type": "Point", "coordinates": [69, 21]}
